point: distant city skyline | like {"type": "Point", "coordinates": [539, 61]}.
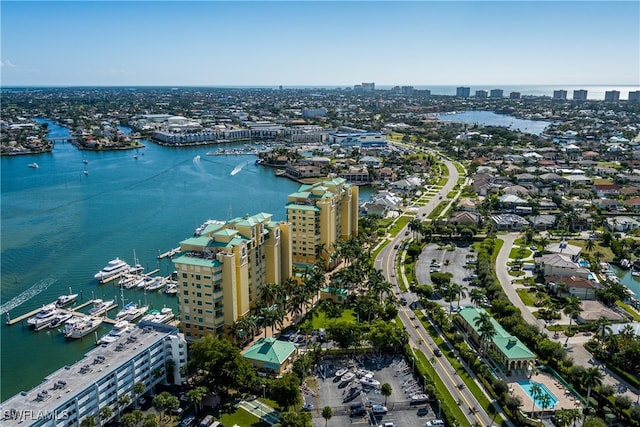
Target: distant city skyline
{"type": "Point", "coordinates": [268, 43]}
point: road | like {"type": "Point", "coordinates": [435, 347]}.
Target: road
{"type": "Point", "coordinates": [418, 336]}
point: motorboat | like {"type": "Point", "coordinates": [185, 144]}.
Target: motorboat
{"type": "Point", "coordinates": [155, 284]}
{"type": "Point", "coordinates": [419, 398]}
{"type": "Point", "coordinates": [146, 281]}
{"type": "Point", "coordinates": [368, 381]}
{"type": "Point", "coordinates": [131, 312]}
{"type": "Point", "coordinates": [59, 319]}
{"type": "Point", "coordinates": [100, 306]}
{"type": "Point", "coordinates": [171, 289]}
{"type": "Point", "coordinates": [341, 372]}
{"type": "Point", "coordinates": [127, 281]}
{"type": "Point", "coordinates": [347, 377]}
{"type": "Point", "coordinates": [71, 323]}
{"type": "Point", "coordinates": [43, 317]}
{"type": "Point", "coordinates": [159, 316]}
{"type": "Point", "coordinates": [136, 269]}
{"type": "Point", "coordinates": [84, 327]}
{"type": "Point", "coordinates": [112, 269]}
{"type": "Point", "coordinates": [64, 300]}
{"type": "Point", "coordinates": [34, 165]}
{"type": "Point", "coordinates": [116, 332]}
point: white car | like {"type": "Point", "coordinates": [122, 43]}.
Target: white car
{"type": "Point", "coordinates": [379, 409]}
{"type": "Point", "coordinates": [435, 423]}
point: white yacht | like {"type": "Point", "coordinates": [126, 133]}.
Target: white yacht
{"type": "Point", "coordinates": [100, 306]}
{"type": "Point", "coordinates": [118, 330]}
{"type": "Point", "coordinates": [66, 299]}
{"type": "Point", "coordinates": [112, 269]}
{"type": "Point", "coordinates": [43, 317]}
{"type": "Point", "coordinates": [171, 289]}
{"type": "Point", "coordinates": [84, 327]}
{"type": "Point", "coordinates": [159, 316]}
{"type": "Point", "coordinates": [59, 319]}
{"type": "Point", "coordinates": [155, 284]}
{"type": "Point", "coordinates": [131, 312]}
{"type": "Point", "coordinates": [34, 165]}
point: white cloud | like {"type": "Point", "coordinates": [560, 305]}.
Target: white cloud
{"type": "Point", "coordinates": [7, 64]}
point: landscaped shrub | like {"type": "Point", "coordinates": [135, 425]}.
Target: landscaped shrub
{"type": "Point", "coordinates": [622, 401]}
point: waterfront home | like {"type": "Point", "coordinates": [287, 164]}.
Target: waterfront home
{"type": "Point", "coordinates": [591, 311]}
{"type": "Point", "coordinates": [622, 224]}
{"type": "Point", "coordinates": [559, 265]}
{"type": "Point", "coordinates": [572, 286]}
{"type": "Point", "coordinates": [542, 222]}
{"type": "Point", "coordinates": [564, 248]}
{"type": "Point", "coordinates": [509, 222]}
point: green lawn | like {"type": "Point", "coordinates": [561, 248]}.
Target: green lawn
{"type": "Point", "coordinates": [459, 168]}
{"type": "Point", "coordinates": [630, 310]}
{"type": "Point", "coordinates": [438, 210]}
{"type": "Point", "coordinates": [321, 321]}
{"type": "Point", "coordinates": [442, 181]}
{"type": "Point", "coordinates": [242, 418]}
{"type": "Point", "coordinates": [399, 224]}
{"type": "Point", "coordinates": [607, 254]}
{"type": "Point", "coordinates": [527, 297]}
{"type": "Point", "coordinates": [519, 252]}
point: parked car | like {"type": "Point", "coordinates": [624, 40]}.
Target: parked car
{"type": "Point", "coordinates": [435, 423]}
{"type": "Point", "coordinates": [379, 409]}
{"type": "Point", "coordinates": [307, 407]}
{"type": "Point", "coordinates": [358, 412]}
{"type": "Point", "coordinates": [187, 421]}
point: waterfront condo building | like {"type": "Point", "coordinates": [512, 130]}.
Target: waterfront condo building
{"type": "Point", "coordinates": [634, 96]}
{"type": "Point", "coordinates": [222, 267]}
{"type": "Point", "coordinates": [320, 214]}
{"type": "Point", "coordinates": [514, 95]}
{"type": "Point", "coordinates": [559, 95]}
{"type": "Point", "coordinates": [482, 94]}
{"type": "Point", "coordinates": [496, 93]}
{"type": "Point", "coordinates": [463, 92]}
{"type": "Point", "coordinates": [580, 95]}
{"type": "Point", "coordinates": [612, 96]}
{"type": "Point", "coordinates": [150, 353]}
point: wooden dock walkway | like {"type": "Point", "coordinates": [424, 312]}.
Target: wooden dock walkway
{"type": "Point", "coordinates": [74, 311]}
{"type": "Point", "coordinates": [169, 253]}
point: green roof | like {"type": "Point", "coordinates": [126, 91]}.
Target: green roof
{"type": "Point", "coordinates": [226, 232]}
{"type": "Point", "coordinates": [302, 207]}
{"type": "Point", "coordinates": [269, 350]}
{"type": "Point", "coordinates": [509, 345]}
{"type": "Point", "coordinates": [197, 241]}
{"type": "Point", "coordinates": [200, 262]}
{"type": "Point", "coordinates": [211, 228]}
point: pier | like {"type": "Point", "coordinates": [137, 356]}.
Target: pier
{"type": "Point", "coordinates": [123, 274]}
{"type": "Point", "coordinates": [74, 311]}
{"type": "Point", "coordinates": [169, 253]}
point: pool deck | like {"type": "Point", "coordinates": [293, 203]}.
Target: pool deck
{"type": "Point", "coordinates": [566, 400]}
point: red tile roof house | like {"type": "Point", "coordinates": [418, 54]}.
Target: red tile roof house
{"type": "Point", "coordinates": [602, 190]}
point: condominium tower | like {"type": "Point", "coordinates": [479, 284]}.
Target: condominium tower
{"type": "Point", "coordinates": [320, 214]}
{"type": "Point", "coordinates": [222, 267]}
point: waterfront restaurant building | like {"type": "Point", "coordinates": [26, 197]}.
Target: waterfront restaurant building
{"type": "Point", "coordinates": [221, 269]}
{"type": "Point", "coordinates": [320, 214]}
{"type": "Point", "coordinates": [101, 378]}
{"type": "Point", "coordinates": [514, 357]}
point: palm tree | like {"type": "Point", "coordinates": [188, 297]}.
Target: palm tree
{"type": "Point", "coordinates": [138, 389]}
{"type": "Point", "coordinates": [105, 413]}
{"type": "Point", "coordinates": [327, 413]}
{"type": "Point", "coordinates": [591, 377]}
{"type": "Point", "coordinates": [572, 308]}
{"type": "Point", "coordinates": [386, 391]}
{"type": "Point", "coordinates": [415, 226]}
{"type": "Point", "coordinates": [88, 421]}
{"type": "Point", "coordinates": [485, 328]}
{"type": "Point", "coordinates": [545, 401]}
{"type": "Point", "coordinates": [590, 245]}
{"type": "Point", "coordinates": [536, 393]}
{"type": "Point", "coordinates": [476, 295]}
{"type": "Point", "coordinates": [602, 326]}
{"type": "Point", "coordinates": [269, 293]}
{"type": "Point", "coordinates": [196, 395]}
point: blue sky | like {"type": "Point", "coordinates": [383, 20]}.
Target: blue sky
{"type": "Point", "coordinates": [307, 43]}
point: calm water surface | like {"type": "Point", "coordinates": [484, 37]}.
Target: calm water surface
{"type": "Point", "coordinates": [60, 226]}
{"type": "Point", "coordinates": [489, 118]}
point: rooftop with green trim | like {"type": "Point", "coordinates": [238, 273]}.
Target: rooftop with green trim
{"type": "Point", "coordinates": [271, 351]}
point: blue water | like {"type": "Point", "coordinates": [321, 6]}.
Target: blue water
{"type": "Point", "coordinates": [526, 386]}
{"type": "Point", "coordinates": [489, 118]}
{"type": "Point", "coordinates": [630, 281]}
{"type": "Point", "coordinates": [60, 226]}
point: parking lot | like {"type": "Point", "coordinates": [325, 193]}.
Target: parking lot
{"type": "Point", "coordinates": [357, 399]}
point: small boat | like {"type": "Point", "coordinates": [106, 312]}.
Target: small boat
{"type": "Point", "coordinates": [341, 372]}
{"type": "Point", "coordinates": [159, 316]}
{"type": "Point", "coordinates": [347, 377]}
{"type": "Point", "coordinates": [86, 172]}
{"type": "Point", "coordinates": [146, 281]}
{"type": "Point", "coordinates": [127, 281]}
{"type": "Point", "coordinates": [116, 332]}
{"type": "Point", "coordinates": [112, 269]}
{"type": "Point", "coordinates": [419, 398]}
{"type": "Point", "coordinates": [85, 161]}
{"type": "Point", "coordinates": [171, 289]}
{"type": "Point", "coordinates": [59, 319]}
{"type": "Point", "coordinates": [43, 317]}
{"type": "Point", "coordinates": [83, 327]}
{"type": "Point", "coordinates": [100, 306]}
{"type": "Point", "coordinates": [66, 299]}
{"type": "Point", "coordinates": [370, 382]}
{"type": "Point", "coordinates": [34, 165]}
{"type": "Point", "coordinates": [131, 312]}
{"type": "Point", "coordinates": [155, 284]}
{"type": "Point", "coordinates": [636, 273]}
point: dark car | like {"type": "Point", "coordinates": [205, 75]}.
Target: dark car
{"type": "Point", "coordinates": [437, 352]}
{"type": "Point", "coordinates": [358, 412]}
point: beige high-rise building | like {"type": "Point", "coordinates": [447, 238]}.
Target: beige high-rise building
{"type": "Point", "coordinates": [221, 268]}
{"type": "Point", "coordinates": [319, 215]}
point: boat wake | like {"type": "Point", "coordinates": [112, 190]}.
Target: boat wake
{"type": "Point", "coordinates": [237, 169]}
{"type": "Point", "coordinates": [25, 296]}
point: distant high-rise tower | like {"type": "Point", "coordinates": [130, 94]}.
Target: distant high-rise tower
{"type": "Point", "coordinates": [559, 95]}
{"type": "Point", "coordinates": [496, 93]}
{"type": "Point", "coordinates": [368, 87]}
{"type": "Point", "coordinates": [482, 94]}
{"type": "Point", "coordinates": [463, 92]}
{"type": "Point", "coordinates": [580, 95]}
{"type": "Point", "coordinates": [634, 96]}
{"type": "Point", "coordinates": [612, 96]}
{"type": "Point", "coordinates": [514, 95]}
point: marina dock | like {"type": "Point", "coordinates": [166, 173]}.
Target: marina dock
{"type": "Point", "coordinates": [169, 253]}
{"type": "Point", "coordinates": [74, 311]}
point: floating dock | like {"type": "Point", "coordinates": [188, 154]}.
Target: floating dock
{"type": "Point", "coordinates": [75, 311]}
{"type": "Point", "coordinates": [169, 253]}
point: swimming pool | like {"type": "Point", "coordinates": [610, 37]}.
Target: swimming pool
{"type": "Point", "coordinates": [526, 386]}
